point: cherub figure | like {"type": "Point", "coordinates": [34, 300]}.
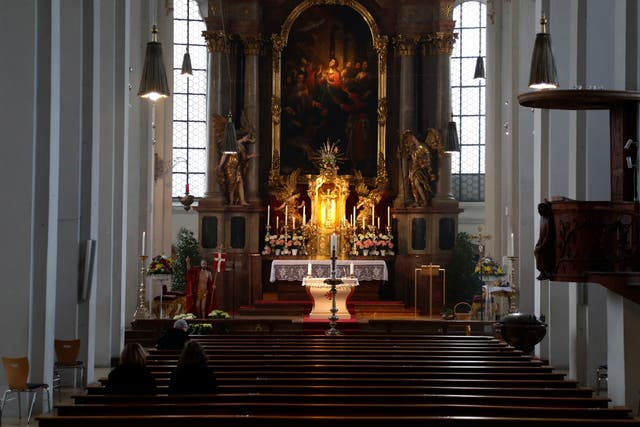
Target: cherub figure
{"type": "Point", "coordinates": [419, 156]}
{"type": "Point", "coordinates": [288, 195]}
{"type": "Point", "coordinates": [367, 199]}
{"type": "Point", "coordinates": [232, 167]}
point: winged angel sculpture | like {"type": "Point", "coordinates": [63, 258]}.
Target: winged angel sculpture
{"type": "Point", "coordinates": [367, 199]}
{"type": "Point", "coordinates": [286, 192]}
{"type": "Point", "coordinates": [232, 167]}
{"type": "Point", "coordinates": [421, 170]}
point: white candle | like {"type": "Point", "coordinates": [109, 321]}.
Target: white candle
{"type": "Point", "coordinates": [510, 250]}
{"type": "Point", "coordinates": [294, 222]}
{"type": "Point", "coordinates": [277, 223]}
{"type": "Point", "coordinates": [373, 215]}
{"type": "Point", "coordinates": [304, 215]}
{"type": "Point", "coordinates": [363, 223]}
{"type": "Point", "coordinates": [334, 243]}
{"type": "Point", "coordinates": [309, 269]}
{"type": "Point", "coordinates": [144, 240]}
{"type": "Point", "coordinates": [268, 215]}
{"type": "Point", "coordinates": [354, 216]}
{"type": "Point", "coordinates": [351, 269]}
{"type": "Point", "coordinates": [389, 217]}
{"type": "Point", "coordinates": [286, 215]}
{"type": "Point", "coordinates": [378, 223]}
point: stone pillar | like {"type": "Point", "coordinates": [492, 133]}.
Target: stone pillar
{"type": "Point", "coordinates": [439, 46]}
{"type": "Point", "coordinates": [252, 45]}
{"type": "Point", "coordinates": [405, 47]}
{"type": "Point", "coordinates": [216, 103]}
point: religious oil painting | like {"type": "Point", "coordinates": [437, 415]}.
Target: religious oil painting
{"type": "Point", "coordinates": [329, 90]}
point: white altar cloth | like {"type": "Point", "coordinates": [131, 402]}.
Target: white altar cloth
{"type": "Point", "coordinates": [502, 297]}
{"type": "Point", "coordinates": [296, 269]}
{"type": "Point", "coordinates": [320, 292]}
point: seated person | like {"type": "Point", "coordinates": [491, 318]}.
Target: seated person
{"type": "Point", "coordinates": [131, 376]}
{"type": "Point", "coordinates": [175, 337]}
{"type": "Point", "coordinates": [192, 375]}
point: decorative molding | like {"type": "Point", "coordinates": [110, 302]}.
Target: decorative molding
{"type": "Point", "coordinates": [276, 109]}
{"type": "Point", "coordinates": [383, 111]}
{"type": "Point", "coordinates": [405, 45]}
{"type": "Point", "coordinates": [278, 43]}
{"type": "Point", "coordinates": [446, 10]}
{"type": "Point", "coordinates": [217, 41]}
{"type": "Point", "coordinates": [491, 11]}
{"type": "Point", "coordinates": [440, 43]}
{"type": "Point", "coordinates": [380, 45]}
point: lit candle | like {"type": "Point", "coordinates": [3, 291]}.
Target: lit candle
{"type": "Point", "coordinates": [378, 223]}
{"type": "Point", "coordinates": [286, 215]}
{"type": "Point", "coordinates": [354, 216]}
{"type": "Point", "coordinates": [334, 242]}
{"type": "Point", "coordinates": [277, 223]}
{"type": "Point", "coordinates": [351, 269]}
{"type": "Point", "coordinates": [389, 217]}
{"type": "Point", "coordinates": [144, 235]}
{"type": "Point", "coordinates": [294, 222]}
{"type": "Point", "coordinates": [186, 188]}
{"type": "Point", "coordinates": [309, 269]}
{"type": "Point", "coordinates": [268, 215]}
{"type": "Point", "coordinates": [304, 215]}
{"type": "Point", "coordinates": [363, 223]}
{"type": "Point", "coordinates": [373, 215]}
{"type": "Point", "coordinates": [510, 250]}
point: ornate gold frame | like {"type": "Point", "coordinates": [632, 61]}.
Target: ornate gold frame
{"type": "Point", "coordinates": [279, 42]}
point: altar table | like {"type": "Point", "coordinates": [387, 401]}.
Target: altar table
{"type": "Point", "coordinates": [320, 292]}
{"type": "Point", "coordinates": [502, 299]}
{"type": "Point", "coordinates": [296, 269]}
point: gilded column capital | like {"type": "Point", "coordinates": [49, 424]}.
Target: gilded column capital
{"type": "Point", "coordinates": [278, 43]}
{"type": "Point", "coordinates": [405, 45]}
{"type": "Point", "coordinates": [217, 41]}
{"type": "Point", "coordinates": [252, 43]}
{"type": "Point", "coordinates": [440, 43]}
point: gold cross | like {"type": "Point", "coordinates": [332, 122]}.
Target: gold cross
{"type": "Point", "coordinates": [481, 239]}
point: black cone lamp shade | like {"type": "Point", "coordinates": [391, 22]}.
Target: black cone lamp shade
{"type": "Point", "coordinates": [153, 84]}
{"type": "Point", "coordinates": [186, 64]}
{"type": "Point", "coordinates": [479, 72]}
{"type": "Point", "coordinates": [229, 143]}
{"type": "Point", "coordinates": [543, 66]}
{"type": "Point", "coordinates": [451, 142]}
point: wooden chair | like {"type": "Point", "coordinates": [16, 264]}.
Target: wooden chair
{"type": "Point", "coordinates": [17, 371]}
{"type": "Point", "coordinates": [67, 355]}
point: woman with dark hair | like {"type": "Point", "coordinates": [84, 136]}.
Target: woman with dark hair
{"type": "Point", "coordinates": [192, 375]}
{"type": "Point", "coordinates": [131, 376]}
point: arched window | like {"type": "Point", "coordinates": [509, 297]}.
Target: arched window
{"type": "Point", "coordinates": [189, 101]}
{"type": "Point", "coordinates": [468, 102]}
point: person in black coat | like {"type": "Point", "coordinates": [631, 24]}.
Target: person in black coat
{"type": "Point", "coordinates": [192, 375]}
{"type": "Point", "coordinates": [131, 376]}
{"type": "Point", "coordinates": [175, 337]}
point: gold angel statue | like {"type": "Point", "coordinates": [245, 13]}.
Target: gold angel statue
{"type": "Point", "coordinates": [419, 156]}
{"type": "Point", "coordinates": [367, 199]}
{"type": "Point", "coordinates": [232, 167]}
{"type": "Point", "coordinates": [287, 194]}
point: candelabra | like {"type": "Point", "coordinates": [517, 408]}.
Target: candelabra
{"type": "Point", "coordinates": [333, 282]}
{"type": "Point", "coordinates": [514, 302]}
{"type": "Point", "coordinates": [141, 311]}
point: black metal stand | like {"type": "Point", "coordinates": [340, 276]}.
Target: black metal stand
{"type": "Point", "coordinates": [333, 282]}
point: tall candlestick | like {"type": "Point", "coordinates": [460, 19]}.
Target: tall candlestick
{"type": "Point", "coordinates": [286, 215]}
{"type": "Point", "coordinates": [511, 249]}
{"type": "Point", "coordinates": [268, 215]}
{"type": "Point", "coordinates": [389, 217]}
{"type": "Point", "coordinates": [144, 241]}
{"type": "Point", "coordinates": [186, 189]}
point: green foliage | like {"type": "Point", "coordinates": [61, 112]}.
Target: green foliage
{"type": "Point", "coordinates": [462, 281]}
{"type": "Point", "coordinates": [187, 246]}
{"type": "Point", "coordinates": [200, 329]}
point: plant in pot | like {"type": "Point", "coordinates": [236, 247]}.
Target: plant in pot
{"type": "Point", "coordinates": [186, 246]}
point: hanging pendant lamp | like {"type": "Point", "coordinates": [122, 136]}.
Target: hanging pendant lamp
{"type": "Point", "coordinates": [186, 64]}
{"type": "Point", "coordinates": [229, 143]}
{"type": "Point", "coordinates": [479, 72]}
{"type": "Point", "coordinates": [451, 142]}
{"type": "Point", "coordinates": [543, 73]}
{"type": "Point", "coordinates": [153, 84]}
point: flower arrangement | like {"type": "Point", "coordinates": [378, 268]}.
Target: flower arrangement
{"type": "Point", "coordinates": [160, 264]}
{"type": "Point", "coordinates": [487, 266]}
{"type": "Point", "coordinates": [384, 243]}
{"type": "Point", "coordinates": [218, 314]}
{"type": "Point", "coordinates": [364, 243]}
{"type": "Point", "coordinates": [185, 316]}
{"type": "Point", "coordinates": [297, 239]}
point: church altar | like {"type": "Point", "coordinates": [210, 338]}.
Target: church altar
{"type": "Point", "coordinates": [298, 269]}
{"type": "Point", "coordinates": [320, 292]}
{"type": "Point", "coordinates": [501, 296]}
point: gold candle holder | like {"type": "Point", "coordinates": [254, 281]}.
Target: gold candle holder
{"type": "Point", "coordinates": [514, 302]}
{"type": "Point", "coordinates": [142, 312]}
